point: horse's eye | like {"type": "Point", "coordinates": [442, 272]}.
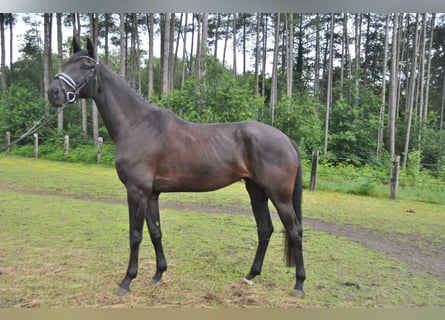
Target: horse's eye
{"type": "Point", "coordinates": [86, 66]}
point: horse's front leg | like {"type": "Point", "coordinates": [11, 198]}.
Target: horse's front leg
{"type": "Point", "coordinates": [154, 227]}
{"type": "Point", "coordinates": [137, 207]}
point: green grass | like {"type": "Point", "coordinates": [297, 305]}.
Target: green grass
{"type": "Point", "coordinates": [64, 243]}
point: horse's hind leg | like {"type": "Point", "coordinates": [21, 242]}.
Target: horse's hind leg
{"type": "Point", "coordinates": [294, 245]}
{"type": "Point", "coordinates": [258, 199]}
{"type": "Point", "coordinates": [154, 228]}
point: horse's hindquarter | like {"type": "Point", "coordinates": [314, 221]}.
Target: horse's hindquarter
{"type": "Point", "coordinates": [272, 159]}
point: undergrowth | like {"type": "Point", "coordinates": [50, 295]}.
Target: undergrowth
{"type": "Point", "coordinates": [415, 181]}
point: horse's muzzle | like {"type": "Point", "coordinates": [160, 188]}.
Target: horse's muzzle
{"type": "Point", "coordinates": [56, 95]}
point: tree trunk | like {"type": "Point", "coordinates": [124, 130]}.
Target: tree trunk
{"type": "Point", "coordinates": [225, 40]}
{"type": "Point", "coordinates": [3, 51]}
{"type": "Point", "coordinates": [442, 108]}
{"type": "Point", "coordinates": [59, 63]}
{"type": "Point", "coordinates": [11, 46]}
{"type": "Point", "coordinates": [198, 48]}
{"type": "Point", "coordinates": [428, 68]}
{"type": "Point", "coordinates": [400, 57]}
{"type": "Point", "coordinates": [358, 32]}
{"type": "Point", "coordinates": [133, 54]}
{"type": "Point", "coordinates": [215, 44]}
{"type": "Point", "coordinates": [165, 54]}
{"type": "Point", "coordinates": [273, 89]}
{"type": "Point", "coordinates": [343, 52]}
{"type": "Point", "coordinates": [329, 84]}
{"type": "Point", "coordinates": [191, 46]}
{"type": "Point", "coordinates": [421, 83]}
{"type": "Point", "coordinates": [234, 31]}
{"type": "Point", "coordinates": [47, 60]}
{"type": "Point", "coordinates": [383, 94]}
{"type": "Point", "coordinates": [393, 85]}
{"type": "Point", "coordinates": [171, 78]}
{"type": "Point", "coordinates": [175, 58]}
{"type": "Point", "coordinates": [257, 53]}
{"type": "Point", "coordinates": [205, 30]}
{"type": "Point", "coordinates": [264, 56]}
{"type": "Point", "coordinates": [290, 54]}
{"type": "Point", "coordinates": [412, 84]}
{"type": "Point", "coordinates": [184, 58]}
{"type": "Point", "coordinates": [94, 111]}
{"type": "Point", "coordinates": [150, 54]}
{"type": "Point", "coordinates": [244, 43]}
{"type": "Point", "coordinates": [317, 61]}
{"type": "Point", "coordinates": [123, 44]}
{"type": "Point", "coordinates": [108, 22]}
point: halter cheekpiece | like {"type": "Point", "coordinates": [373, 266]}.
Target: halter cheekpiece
{"type": "Point", "coordinates": [71, 95]}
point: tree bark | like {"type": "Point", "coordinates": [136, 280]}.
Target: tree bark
{"type": "Point", "coordinates": [317, 61]}
{"type": "Point", "coordinates": [184, 57]}
{"type": "Point", "coordinates": [329, 85]}
{"type": "Point", "coordinates": [94, 112]}
{"type": "Point", "coordinates": [264, 56]}
{"type": "Point", "coordinates": [273, 89]}
{"type": "Point", "coordinates": [234, 31]}
{"type": "Point", "coordinates": [11, 20]}
{"type": "Point", "coordinates": [47, 60]}
{"type": "Point", "coordinates": [171, 56]}
{"type": "Point", "coordinates": [205, 30]}
{"type": "Point", "coordinates": [412, 84]}
{"type": "Point", "coordinates": [150, 54]}
{"type": "Point", "coordinates": [3, 51]}
{"type": "Point", "coordinates": [215, 44]}
{"type": "Point", "coordinates": [428, 68]}
{"type": "Point", "coordinates": [123, 44]}
{"type": "Point", "coordinates": [257, 53]}
{"type": "Point", "coordinates": [383, 94]}
{"type": "Point", "coordinates": [358, 32]}
{"type": "Point", "coordinates": [421, 82]}
{"type": "Point", "coordinates": [290, 54]}
{"type": "Point", "coordinates": [225, 40]}
{"type": "Point", "coordinates": [165, 54]}
{"type": "Point", "coordinates": [393, 85]}
{"type": "Point", "coordinates": [59, 63]}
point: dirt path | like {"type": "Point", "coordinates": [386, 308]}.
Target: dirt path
{"type": "Point", "coordinates": [423, 254]}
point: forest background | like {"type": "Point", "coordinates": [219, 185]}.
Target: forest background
{"type": "Point", "coordinates": [361, 87]}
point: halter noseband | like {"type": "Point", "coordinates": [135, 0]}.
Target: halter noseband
{"type": "Point", "coordinates": [71, 96]}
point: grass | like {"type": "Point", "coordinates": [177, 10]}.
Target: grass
{"type": "Point", "coordinates": [64, 243]}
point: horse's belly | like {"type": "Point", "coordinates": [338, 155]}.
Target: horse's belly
{"type": "Point", "coordinates": [198, 178]}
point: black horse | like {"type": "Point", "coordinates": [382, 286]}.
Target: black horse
{"type": "Point", "coordinates": [156, 151]}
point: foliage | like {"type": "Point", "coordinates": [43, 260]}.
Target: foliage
{"type": "Point", "coordinates": [300, 121]}
{"type": "Point", "coordinates": [221, 96]}
{"type": "Point", "coordinates": [353, 127]}
{"type": "Point", "coordinates": [216, 98]}
{"type": "Point", "coordinates": [20, 106]}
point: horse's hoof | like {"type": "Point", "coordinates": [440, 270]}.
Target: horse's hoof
{"type": "Point", "coordinates": [298, 293]}
{"type": "Point", "coordinates": [121, 291]}
{"type": "Point", "coordinates": [247, 281]}
{"type": "Point", "coordinates": [153, 282]}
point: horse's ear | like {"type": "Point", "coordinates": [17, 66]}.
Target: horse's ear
{"type": "Point", "coordinates": [90, 49]}
{"type": "Point", "coordinates": [76, 46]}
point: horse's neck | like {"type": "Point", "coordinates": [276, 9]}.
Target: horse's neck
{"type": "Point", "coordinates": [120, 106]}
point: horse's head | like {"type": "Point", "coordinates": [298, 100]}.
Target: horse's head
{"type": "Point", "coordinates": [78, 78]}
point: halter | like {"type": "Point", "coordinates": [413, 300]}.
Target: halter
{"type": "Point", "coordinates": [71, 96]}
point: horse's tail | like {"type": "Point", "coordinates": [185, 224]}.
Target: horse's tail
{"type": "Point", "coordinates": [296, 201]}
